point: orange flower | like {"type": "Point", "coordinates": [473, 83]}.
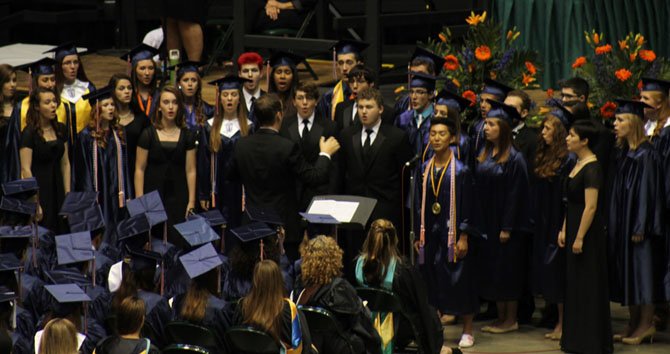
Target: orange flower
{"type": "Point", "coordinates": [456, 82]}
{"type": "Point", "coordinates": [483, 53]}
{"type": "Point", "coordinates": [550, 92]}
{"type": "Point", "coordinates": [470, 95]}
{"type": "Point", "coordinates": [474, 20]}
{"type": "Point", "coordinates": [527, 79]}
{"type": "Point", "coordinates": [510, 34]}
{"type": "Point", "coordinates": [623, 44]}
{"type": "Point", "coordinates": [399, 89]}
{"type": "Point", "coordinates": [442, 37]}
{"type": "Point", "coordinates": [647, 55]}
{"type": "Point", "coordinates": [639, 85]}
{"type": "Point", "coordinates": [596, 39]}
{"type": "Point", "coordinates": [623, 74]}
{"type": "Point", "coordinates": [531, 68]}
{"type": "Point", "coordinates": [632, 57]}
{"type": "Point", "coordinates": [603, 49]}
{"type": "Point", "coordinates": [493, 75]}
{"type": "Point", "coordinates": [451, 62]}
{"type": "Point", "coordinates": [640, 40]}
{"type": "Point", "coordinates": [608, 109]}
{"type": "Point", "coordinates": [579, 62]}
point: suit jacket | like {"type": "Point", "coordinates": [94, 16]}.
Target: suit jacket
{"type": "Point", "coordinates": [380, 176]}
{"type": "Point", "coordinates": [344, 110]}
{"type": "Point", "coordinates": [310, 151]}
{"type": "Point", "coordinates": [525, 141]}
{"type": "Point", "coordinates": [268, 165]}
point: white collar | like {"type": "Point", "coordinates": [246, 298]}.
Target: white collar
{"type": "Point", "coordinates": [310, 118]}
{"type": "Point", "coordinates": [519, 127]}
{"type": "Point", "coordinates": [375, 128]}
{"type": "Point", "coordinates": [248, 96]}
{"type": "Point", "coordinates": [74, 91]}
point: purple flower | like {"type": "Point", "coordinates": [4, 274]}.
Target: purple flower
{"type": "Point", "coordinates": [468, 55]}
{"type": "Point", "coordinates": [505, 60]}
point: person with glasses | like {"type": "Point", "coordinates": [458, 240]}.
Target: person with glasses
{"type": "Point", "coordinates": [346, 112]}
{"type": "Point", "coordinates": [416, 122]}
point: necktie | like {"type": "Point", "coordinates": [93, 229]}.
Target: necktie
{"type": "Point", "coordinates": [305, 129]}
{"type": "Point", "coordinates": [367, 143]}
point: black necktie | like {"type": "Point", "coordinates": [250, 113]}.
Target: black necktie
{"type": "Point", "coordinates": [305, 129]}
{"type": "Point", "coordinates": [367, 143]}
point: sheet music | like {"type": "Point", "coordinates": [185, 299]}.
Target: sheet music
{"type": "Point", "coordinates": [340, 210]}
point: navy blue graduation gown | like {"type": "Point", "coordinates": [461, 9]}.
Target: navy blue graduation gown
{"type": "Point", "coordinates": [192, 119]}
{"type": "Point", "coordinates": [477, 136]}
{"type": "Point", "coordinates": [139, 104]}
{"type": "Point", "coordinates": [325, 105]}
{"type": "Point", "coordinates": [503, 193]}
{"type": "Point", "coordinates": [462, 151]}
{"type": "Point", "coordinates": [402, 105]}
{"type": "Point", "coordinates": [662, 146]}
{"type": "Point", "coordinates": [107, 177]}
{"type": "Point", "coordinates": [636, 208]}
{"type": "Point", "coordinates": [452, 287]}
{"type": "Point", "coordinates": [548, 260]}
{"type": "Point", "coordinates": [418, 136]}
{"type": "Point", "coordinates": [234, 286]}
{"type": "Point", "coordinates": [217, 315]}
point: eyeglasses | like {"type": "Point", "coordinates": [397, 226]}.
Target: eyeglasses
{"type": "Point", "coordinates": [568, 95]}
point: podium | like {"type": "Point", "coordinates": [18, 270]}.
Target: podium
{"type": "Point", "coordinates": [341, 211]}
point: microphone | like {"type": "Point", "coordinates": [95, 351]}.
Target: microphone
{"type": "Point", "coordinates": [412, 161]}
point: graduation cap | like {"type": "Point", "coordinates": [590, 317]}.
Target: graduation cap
{"type": "Point", "coordinates": [438, 61]}
{"type": "Point", "coordinates": [44, 66]}
{"type": "Point", "coordinates": [452, 100]}
{"type": "Point", "coordinates": [321, 219]}
{"type": "Point", "coordinates": [7, 303]}
{"type": "Point", "coordinates": [141, 259]}
{"type": "Point", "coordinates": [649, 84]}
{"type": "Point", "coordinates": [140, 52]}
{"type": "Point", "coordinates": [564, 115]}
{"type": "Point", "coordinates": [151, 205]}
{"type": "Point", "coordinates": [213, 217]}
{"type": "Point", "coordinates": [90, 219]}
{"type": "Point", "coordinates": [230, 82]}
{"type": "Point", "coordinates": [631, 107]}
{"type": "Point", "coordinates": [422, 80]}
{"type": "Point", "coordinates": [21, 188]}
{"type": "Point", "coordinates": [347, 46]}
{"type": "Point", "coordinates": [99, 94]}
{"type": "Point", "coordinates": [15, 239]}
{"type": "Point", "coordinates": [127, 229]}
{"type": "Point", "coordinates": [63, 50]}
{"type": "Point", "coordinates": [187, 66]}
{"type": "Point", "coordinates": [67, 297]}
{"type": "Point", "coordinates": [504, 112]}
{"type": "Point", "coordinates": [76, 201]}
{"type": "Point", "coordinates": [18, 206]}
{"type": "Point", "coordinates": [74, 248]}
{"type": "Point", "coordinates": [496, 88]}
{"type": "Point", "coordinates": [252, 232]}
{"type": "Point", "coordinates": [200, 260]}
{"type": "Point", "coordinates": [196, 232]}
{"type": "Point", "coordinates": [285, 58]}
{"type": "Point", "coordinates": [264, 215]}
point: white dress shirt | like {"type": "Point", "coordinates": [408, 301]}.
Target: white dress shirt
{"type": "Point", "coordinates": [248, 96]}
{"type": "Point", "coordinates": [373, 135]}
{"type": "Point", "coordinates": [301, 125]}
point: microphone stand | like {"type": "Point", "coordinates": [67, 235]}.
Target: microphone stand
{"type": "Point", "coordinates": [412, 235]}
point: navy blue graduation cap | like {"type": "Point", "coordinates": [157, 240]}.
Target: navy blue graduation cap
{"type": "Point", "coordinates": [140, 52]}
{"type": "Point", "coordinates": [133, 226]}
{"type": "Point", "coordinates": [255, 231]}
{"type": "Point", "coordinates": [90, 219]}
{"type": "Point", "coordinates": [141, 259]}
{"type": "Point", "coordinates": [44, 66]}
{"type": "Point", "coordinates": [74, 248]}
{"type": "Point", "coordinates": [564, 115]}
{"type": "Point", "coordinates": [187, 66]}
{"type": "Point", "coordinates": [422, 80]}
{"type": "Point", "coordinates": [200, 260]}
{"type": "Point", "coordinates": [18, 206]}
{"type": "Point", "coordinates": [452, 100]}
{"type": "Point", "coordinates": [230, 82]}
{"type": "Point", "coordinates": [99, 94]}
{"type": "Point", "coordinates": [632, 107]}
{"type": "Point", "coordinates": [285, 58]}
{"type": "Point", "coordinates": [438, 61]}
{"type": "Point", "coordinates": [149, 204]}
{"type": "Point", "coordinates": [21, 188]}
{"type": "Point", "coordinates": [264, 215]}
{"type": "Point", "coordinates": [68, 297]}
{"type": "Point", "coordinates": [213, 217]}
{"type": "Point", "coordinates": [9, 262]}
{"type": "Point", "coordinates": [196, 232]}
{"type": "Point", "coordinates": [347, 46]}
{"type": "Point", "coordinates": [76, 201]}
{"type": "Point", "coordinates": [649, 84]}
{"type": "Point", "coordinates": [63, 50]}
{"type": "Point", "coordinates": [496, 88]}
{"type": "Point", "coordinates": [504, 112]}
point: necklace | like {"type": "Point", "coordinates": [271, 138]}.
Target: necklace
{"type": "Point", "coordinates": [171, 132]}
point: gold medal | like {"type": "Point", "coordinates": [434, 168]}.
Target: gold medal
{"type": "Point", "coordinates": [437, 208]}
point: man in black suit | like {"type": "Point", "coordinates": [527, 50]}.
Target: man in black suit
{"type": "Point", "coordinates": [269, 166]}
{"type": "Point", "coordinates": [359, 78]}
{"type": "Point", "coordinates": [525, 137]}
{"type": "Point", "coordinates": [306, 128]}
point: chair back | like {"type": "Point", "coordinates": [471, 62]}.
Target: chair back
{"type": "Point", "coordinates": [320, 320]}
{"type": "Point", "coordinates": [184, 349]}
{"type": "Point", "coordinates": [248, 340]}
{"type": "Point", "coordinates": [380, 300]}
{"type": "Point", "coordinates": [179, 332]}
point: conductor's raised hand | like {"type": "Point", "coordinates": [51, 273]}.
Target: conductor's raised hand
{"type": "Point", "coordinates": [329, 146]}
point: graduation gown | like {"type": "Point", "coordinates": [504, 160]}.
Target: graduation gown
{"type": "Point", "coordinates": [402, 105]}
{"type": "Point", "coordinates": [452, 286]}
{"type": "Point", "coordinates": [503, 193]}
{"type": "Point", "coordinates": [477, 136]}
{"type": "Point", "coordinates": [192, 119]}
{"type": "Point", "coordinates": [235, 286]}
{"type": "Point", "coordinates": [217, 315]}
{"type": "Point", "coordinates": [636, 208]}
{"type": "Point", "coordinates": [108, 175]}
{"type": "Point", "coordinates": [341, 92]}
{"type": "Point", "coordinates": [146, 107]}
{"type": "Point", "coordinates": [548, 260]}
{"type": "Point", "coordinates": [118, 345]}
{"type": "Point", "coordinates": [662, 147]}
{"type": "Point", "coordinates": [462, 150]}
{"type": "Point", "coordinates": [418, 136]}
{"type": "Point", "coordinates": [10, 165]}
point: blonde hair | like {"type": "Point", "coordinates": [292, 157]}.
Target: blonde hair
{"type": "Point", "coordinates": [379, 248]}
{"type": "Point", "coordinates": [321, 261]}
{"type": "Point", "coordinates": [263, 306]}
{"type": "Point", "coordinates": [638, 135]}
{"type": "Point", "coordinates": [59, 337]}
{"type": "Point", "coordinates": [663, 112]}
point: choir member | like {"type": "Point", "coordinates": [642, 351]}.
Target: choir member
{"type": "Point", "coordinates": [250, 66]}
{"type": "Point", "coordinates": [586, 316]}
{"type": "Point", "coordinates": [493, 90]}
{"type": "Point", "coordinates": [416, 122]}
{"type": "Point", "coordinates": [445, 102]}
{"type": "Point", "coordinates": [40, 74]}
{"type": "Point", "coordinates": [166, 160]}
{"type": "Point", "coordinates": [635, 225]}
{"type": "Point", "coordinates": [346, 112]}
{"type": "Point", "coordinates": [501, 181]}
{"type": "Point", "coordinates": [130, 321]}
{"type": "Point", "coordinates": [59, 336]}
{"type": "Point", "coordinates": [284, 78]}
{"type": "Point", "coordinates": [144, 78]}
{"type": "Point", "coordinates": [44, 155]}
{"type": "Point", "coordinates": [422, 61]}
{"type": "Point", "coordinates": [525, 137]}
{"type": "Point", "coordinates": [7, 110]}
{"type": "Point", "coordinates": [189, 82]}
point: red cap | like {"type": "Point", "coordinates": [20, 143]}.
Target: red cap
{"type": "Point", "coordinates": [250, 58]}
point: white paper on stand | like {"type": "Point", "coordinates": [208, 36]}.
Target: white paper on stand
{"type": "Point", "coordinates": [342, 211]}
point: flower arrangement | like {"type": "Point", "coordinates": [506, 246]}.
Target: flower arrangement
{"type": "Point", "coordinates": [614, 71]}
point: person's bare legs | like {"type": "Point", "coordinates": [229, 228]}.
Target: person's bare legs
{"type": "Point", "coordinates": [191, 36]}
{"type": "Point", "coordinates": [173, 38]}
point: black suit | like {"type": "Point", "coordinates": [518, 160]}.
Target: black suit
{"type": "Point", "coordinates": [525, 142]}
{"type": "Point", "coordinates": [344, 111]}
{"type": "Point", "coordinates": [310, 151]}
{"type": "Point", "coordinates": [268, 166]}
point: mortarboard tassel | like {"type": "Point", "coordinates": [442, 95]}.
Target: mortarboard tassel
{"type": "Point", "coordinates": [409, 91]}
{"type": "Point", "coordinates": [223, 240]}
{"type": "Point", "coordinates": [165, 233]}
{"type": "Point", "coordinates": [243, 199]}
{"type": "Point", "coordinates": [119, 170]}
{"type": "Point", "coordinates": [262, 250]}
{"type": "Point", "coordinates": [212, 176]}
{"type": "Point", "coordinates": [93, 271]}
{"type": "Point", "coordinates": [35, 242]}
{"type": "Point", "coordinates": [267, 77]}
{"type": "Point", "coordinates": [334, 64]}
{"type": "Point", "coordinates": [129, 67]}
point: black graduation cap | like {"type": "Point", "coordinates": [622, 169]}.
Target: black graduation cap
{"type": "Point", "coordinates": [264, 215]}
{"type": "Point", "coordinates": [502, 111]}
{"type": "Point", "coordinates": [200, 260]}
{"type": "Point", "coordinates": [496, 88]}
{"type": "Point", "coordinates": [255, 231]}
{"type": "Point", "coordinates": [99, 94]}
{"type": "Point", "coordinates": [632, 107]}
{"type": "Point", "coordinates": [149, 204]}
{"type": "Point", "coordinates": [67, 297]}
{"type": "Point", "coordinates": [564, 115]}
{"type": "Point", "coordinates": [196, 232]}
{"type": "Point", "coordinates": [76, 201]}
{"type": "Point", "coordinates": [143, 259]}
{"type": "Point", "coordinates": [18, 205]}
{"type": "Point", "coordinates": [438, 61]}
{"type": "Point", "coordinates": [649, 84]}
{"type": "Point", "coordinates": [140, 52]}
{"type": "Point", "coordinates": [187, 66]}
{"type": "Point", "coordinates": [74, 248]}
{"type": "Point", "coordinates": [422, 80]}
{"type": "Point", "coordinates": [63, 50]}
{"type": "Point", "coordinates": [21, 188]}
{"type": "Point", "coordinates": [347, 46]}
{"type": "Point", "coordinates": [44, 66]}
{"type": "Point", "coordinates": [90, 219]}
{"type": "Point", "coordinates": [213, 217]}
{"type": "Point", "coordinates": [285, 58]}
{"type": "Point", "coordinates": [452, 100]}
{"type": "Point", "coordinates": [230, 82]}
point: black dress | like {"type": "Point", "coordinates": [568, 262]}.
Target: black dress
{"type": "Point", "coordinates": [132, 133]}
{"type": "Point", "coordinates": [46, 170]}
{"type": "Point", "coordinates": [586, 323]}
{"type": "Point", "coordinates": [166, 173]}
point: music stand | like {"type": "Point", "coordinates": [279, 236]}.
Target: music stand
{"type": "Point", "coordinates": [341, 211]}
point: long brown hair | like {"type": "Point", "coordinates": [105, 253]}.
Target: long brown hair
{"type": "Point", "coordinates": [157, 118]}
{"type": "Point", "coordinates": [197, 296]}
{"type": "Point", "coordinates": [114, 81]}
{"type": "Point", "coordinates": [504, 143]}
{"type": "Point", "coordinates": [662, 113]}
{"type": "Point", "coordinates": [242, 116]}
{"type": "Point", "coordinates": [550, 157]}
{"type": "Point", "coordinates": [197, 98]}
{"type": "Point", "coordinates": [637, 130]}
{"type": "Point", "coordinates": [263, 306]}
{"type": "Point", "coordinates": [59, 337]}
{"type": "Point", "coordinates": [101, 135]}
{"type": "Point", "coordinates": [6, 72]}
{"type": "Point", "coordinates": [60, 78]}
{"type": "Point", "coordinates": [379, 248]}
{"type": "Point", "coordinates": [153, 85]}
{"type": "Point", "coordinates": [33, 114]}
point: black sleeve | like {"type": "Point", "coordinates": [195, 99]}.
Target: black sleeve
{"type": "Point", "coordinates": [317, 174]}
{"type": "Point", "coordinates": [592, 176]}
{"type": "Point", "coordinates": [145, 139]}
{"type": "Point", "coordinates": [190, 139]}
{"type": "Point", "coordinates": [28, 138]}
